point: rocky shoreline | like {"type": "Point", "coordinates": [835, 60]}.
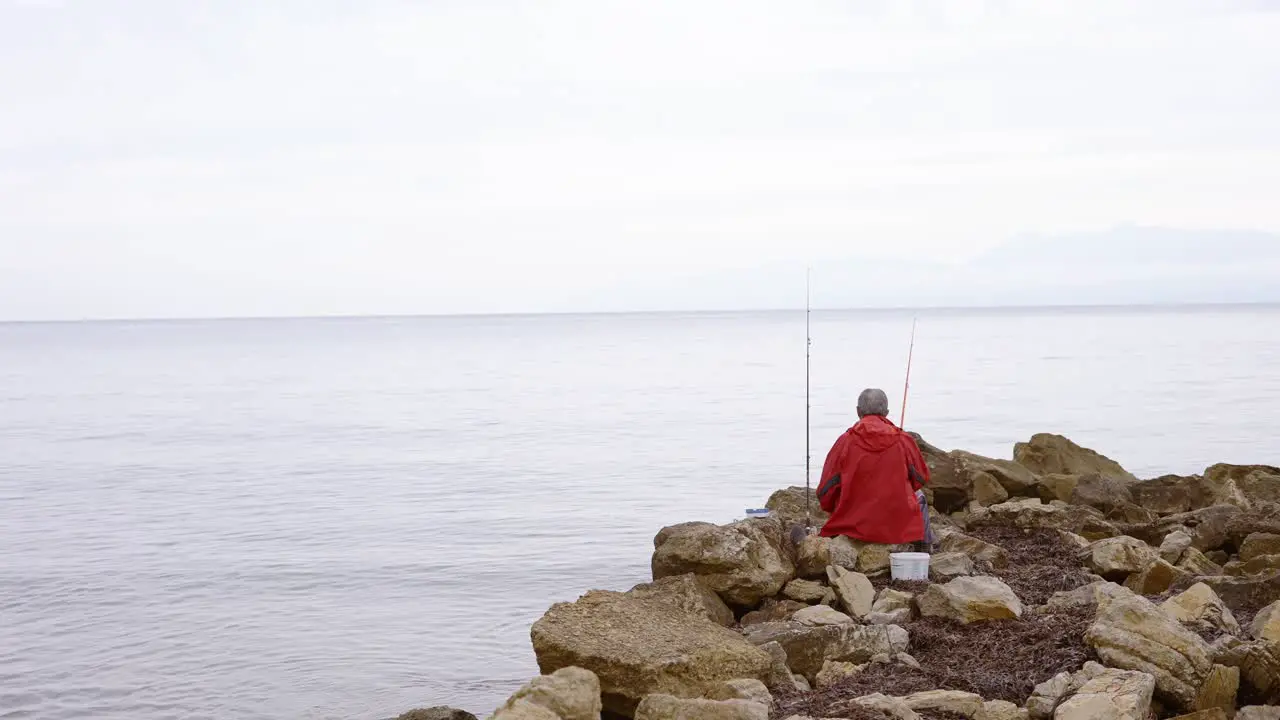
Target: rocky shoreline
{"type": "Point", "coordinates": [1062, 587]}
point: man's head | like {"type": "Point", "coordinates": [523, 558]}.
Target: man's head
{"type": "Point", "coordinates": [873, 401]}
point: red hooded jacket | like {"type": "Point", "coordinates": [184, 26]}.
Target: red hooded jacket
{"type": "Point", "coordinates": [869, 481]}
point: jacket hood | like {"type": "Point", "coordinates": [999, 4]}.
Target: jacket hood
{"type": "Point", "coordinates": [874, 433]}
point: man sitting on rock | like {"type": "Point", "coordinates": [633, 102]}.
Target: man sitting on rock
{"type": "Point", "coordinates": [872, 479]}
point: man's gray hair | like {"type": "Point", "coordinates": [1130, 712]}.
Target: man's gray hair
{"type": "Point", "coordinates": [873, 401]}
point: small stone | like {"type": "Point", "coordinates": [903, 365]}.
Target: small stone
{"type": "Point", "coordinates": [1199, 606]}
{"type": "Point", "coordinates": [949, 701]}
{"type": "Point", "coordinates": [1259, 712]}
{"type": "Point", "coordinates": [1118, 557]}
{"type": "Point", "coordinates": [1197, 563]}
{"type": "Point", "coordinates": [437, 713]}
{"type": "Point", "coordinates": [1214, 714]}
{"type": "Point", "coordinates": [1155, 580]}
{"type": "Point", "coordinates": [901, 616]}
{"type": "Point", "coordinates": [805, 591]}
{"type": "Point", "coordinates": [1175, 543]}
{"type": "Point", "coordinates": [949, 566]}
{"type": "Point", "coordinates": [1001, 710]}
{"type": "Point", "coordinates": [893, 707]}
{"type": "Point", "coordinates": [907, 659]}
{"type": "Point", "coordinates": [570, 694]}
{"type": "Point", "coordinates": [1113, 695]}
{"type": "Point", "coordinates": [971, 599]}
{"type": "Point", "coordinates": [820, 615]}
{"type": "Point", "coordinates": [889, 600]}
{"type": "Point", "coordinates": [854, 589]}
{"type": "Point", "coordinates": [752, 690]}
{"type": "Point", "coordinates": [834, 673]}
{"type": "Point", "coordinates": [667, 707]}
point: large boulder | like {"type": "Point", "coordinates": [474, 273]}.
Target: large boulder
{"type": "Point", "coordinates": [1259, 544]}
{"type": "Point", "coordinates": [1104, 492]}
{"type": "Point", "coordinates": [1244, 591]}
{"type": "Point", "coordinates": [1112, 695]}
{"type": "Point", "coordinates": [570, 693]}
{"type": "Point", "coordinates": [1034, 513]}
{"type": "Point", "coordinates": [1219, 690]}
{"type": "Point", "coordinates": [667, 707]}
{"type": "Point", "coordinates": [1045, 453]}
{"type": "Point", "coordinates": [742, 562]}
{"type": "Point", "coordinates": [1013, 477]}
{"type": "Point", "coordinates": [834, 673]}
{"type": "Point", "coordinates": [1155, 579]}
{"type": "Point", "coordinates": [970, 599]}
{"type": "Point", "coordinates": [815, 554]}
{"type": "Point", "coordinates": [1116, 558]}
{"type": "Point", "coordinates": [1256, 483]}
{"type": "Point", "coordinates": [810, 592]}
{"type": "Point", "coordinates": [788, 505]}
{"type": "Point", "coordinates": [1167, 495]}
{"type": "Point", "coordinates": [1132, 633]}
{"type": "Point", "coordinates": [752, 690]}
{"type": "Point", "coordinates": [1200, 608]}
{"type": "Point", "coordinates": [808, 648]}
{"type": "Point", "coordinates": [950, 565]}
{"type": "Point", "coordinates": [819, 615]}
{"type": "Point", "coordinates": [1259, 664]}
{"type": "Point", "coordinates": [638, 647]}
{"type": "Point", "coordinates": [946, 701]}
{"type": "Point", "coordinates": [687, 593]}
{"type": "Point", "coordinates": [1195, 562]}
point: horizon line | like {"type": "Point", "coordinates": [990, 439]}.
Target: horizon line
{"type": "Point", "coordinates": [693, 311]}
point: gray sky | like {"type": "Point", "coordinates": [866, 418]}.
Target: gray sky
{"type": "Point", "coordinates": [162, 158]}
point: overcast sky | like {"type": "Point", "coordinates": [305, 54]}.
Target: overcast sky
{"type": "Point", "coordinates": [163, 158]}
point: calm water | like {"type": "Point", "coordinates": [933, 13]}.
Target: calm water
{"type": "Point", "coordinates": [349, 518]}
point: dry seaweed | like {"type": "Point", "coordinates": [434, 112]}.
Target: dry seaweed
{"type": "Point", "coordinates": [1041, 563]}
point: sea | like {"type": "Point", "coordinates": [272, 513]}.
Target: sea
{"type": "Point", "coordinates": [350, 518]}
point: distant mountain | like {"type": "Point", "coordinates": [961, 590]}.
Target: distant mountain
{"type": "Point", "coordinates": [1124, 265]}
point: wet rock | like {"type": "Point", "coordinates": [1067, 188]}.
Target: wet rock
{"type": "Point", "coordinates": [639, 647]}
{"type": "Point", "coordinates": [1259, 544]}
{"type": "Point", "coordinates": [751, 690]}
{"type": "Point", "coordinates": [1200, 607]}
{"type": "Point", "coordinates": [742, 562]}
{"type": "Point", "coordinates": [667, 707]}
{"type": "Point", "coordinates": [1046, 454]}
{"type": "Point", "coordinates": [948, 566]}
{"type": "Point", "coordinates": [854, 590]}
{"type": "Point", "coordinates": [1219, 690]}
{"type": "Point", "coordinates": [1131, 633]}
{"type": "Point", "coordinates": [971, 599]}
{"type": "Point", "coordinates": [687, 593]}
{"type": "Point", "coordinates": [1156, 579]}
{"type": "Point", "coordinates": [834, 673]}
{"type": "Point", "coordinates": [1266, 624]}
{"type": "Point", "coordinates": [1116, 558]}
{"type": "Point", "coordinates": [807, 648]}
{"type": "Point", "coordinates": [805, 591]}
{"type": "Point", "coordinates": [1174, 545]}
{"type": "Point", "coordinates": [1112, 695]}
{"type": "Point", "coordinates": [979, 550]}
{"type": "Point", "coordinates": [1259, 664]}
{"type": "Point", "coordinates": [570, 693]}
{"type": "Point", "coordinates": [947, 701]}
{"type": "Point", "coordinates": [437, 713]}
{"type": "Point", "coordinates": [820, 615]}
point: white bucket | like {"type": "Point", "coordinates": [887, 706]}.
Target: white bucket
{"type": "Point", "coordinates": [909, 566]}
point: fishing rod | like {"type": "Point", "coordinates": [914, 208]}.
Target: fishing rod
{"type": "Point", "coordinates": [808, 342]}
{"type": "Point", "coordinates": [902, 423]}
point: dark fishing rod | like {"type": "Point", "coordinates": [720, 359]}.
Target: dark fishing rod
{"type": "Point", "coordinates": [902, 423]}
{"type": "Point", "coordinates": [808, 342]}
